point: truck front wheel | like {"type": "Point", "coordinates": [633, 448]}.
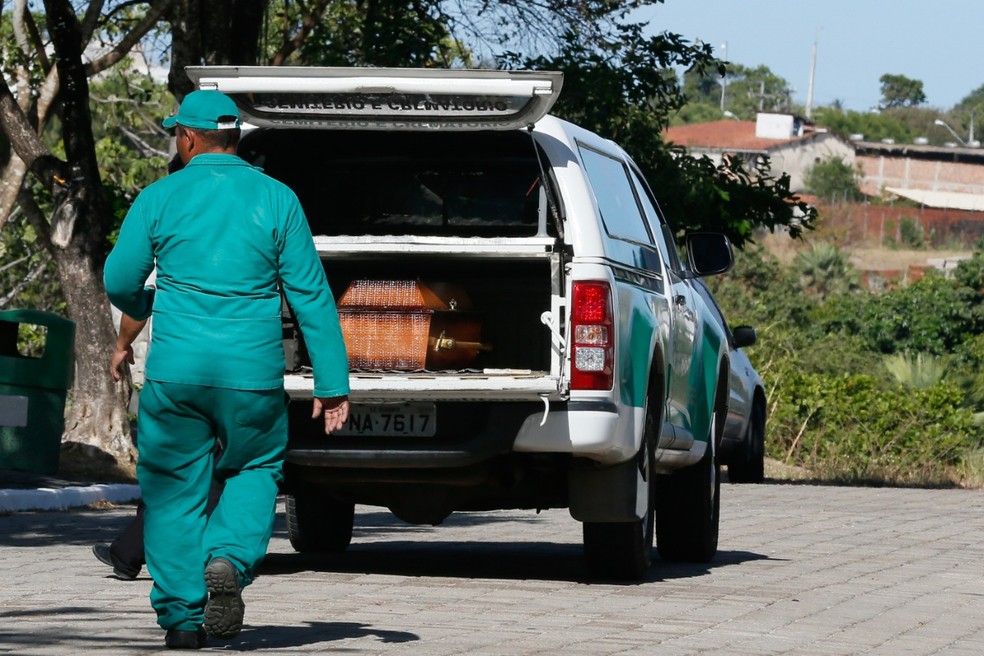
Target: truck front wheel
{"type": "Point", "coordinates": [752, 470]}
{"type": "Point", "coordinates": [318, 525]}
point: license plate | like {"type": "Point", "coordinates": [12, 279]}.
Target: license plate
{"type": "Point", "coordinates": [391, 419]}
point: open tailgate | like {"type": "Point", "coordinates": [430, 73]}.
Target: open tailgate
{"type": "Point", "coordinates": [383, 98]}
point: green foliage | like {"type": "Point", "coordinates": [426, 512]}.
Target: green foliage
{"type": "Point", "coordinates": [28, 278]}
{"type": "Point", "coordinates": [901, 91]}
{"type": "Point", "coordinates": [910, 234]}
{"type": "Point", "coordinates": [850, 428]}
{"type": "Point", "coordinates": [748, 91]}
{"type": "Point", "coordinates": [834, 406]}
{"type": "Point", "coordinates": [932, 315]}
{"type": "Point", "coordinates": [131, 148]}
{"type": "Point", "coordinates": [968, 371]}
{"type": "Point", "coordinates": [379, 33]}
{"type": "Point", "coordinates": [889, 124]}
{"type": "Point", "coordinates": [832, 179]}
{"type": "Point", "coordinates": [918, 371]}
{"type": "Point", "coordinates": [127, 107]}
{"type": "Point", "coordinates": [825, 270]}
{"type": "Point", "coordinates": [970, 273]}
{"type": "Point", "coordinates": [625, 91]}
{"type": "Point", "coordinates": [968, 112]}
{"type": "Point", "coordinates": [695, 112]}
{"type": "Point", "coordinates": [698, 195]}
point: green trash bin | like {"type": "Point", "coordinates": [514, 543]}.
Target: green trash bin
{"type": "Point", "coordinates": [33, 386]}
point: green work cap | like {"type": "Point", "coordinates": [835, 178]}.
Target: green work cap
{"type": "Point", "coordinates": [205, 110]}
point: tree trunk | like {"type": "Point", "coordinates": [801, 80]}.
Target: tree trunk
{"type": "Point", "coordinates": [79, 225]}
{"type": "Point", "coordinates": [213, 32]}
{"type": "Point", "coordinates": [97, 411]}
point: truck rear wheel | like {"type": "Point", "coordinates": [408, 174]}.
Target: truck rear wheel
{"type": "Point", "coordinates": [316, 525]}
{"type": "Point", "coordinates": [624, 550]}
{"type": "Point", "coordinates": [690, 510]}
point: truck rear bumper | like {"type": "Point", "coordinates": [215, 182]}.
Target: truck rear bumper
{"type": "Point", "coordinates": [472, 433]}
{"type": "Point", "coordinates": [589, 429]}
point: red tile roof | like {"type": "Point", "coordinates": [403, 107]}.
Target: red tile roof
{"type": "Point", "coordinates": [725, 135]}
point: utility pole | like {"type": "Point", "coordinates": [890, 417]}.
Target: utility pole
{"type": "Point", "coordinates": [809, 89]}
{"type": "Point", "coordinates": [724, 79]}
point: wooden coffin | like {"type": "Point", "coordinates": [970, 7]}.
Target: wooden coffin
{"type": "Point", "coordinates": [407, 325]}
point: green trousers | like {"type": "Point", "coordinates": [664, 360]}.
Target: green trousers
{"type": "Point", "coordinates": [178, 428]}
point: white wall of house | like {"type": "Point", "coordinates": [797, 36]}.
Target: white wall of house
{"type": "Point", "coordinates": [796, 158]}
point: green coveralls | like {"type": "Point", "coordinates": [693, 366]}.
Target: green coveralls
{"type": "Point", "coordinates": [224, 238]}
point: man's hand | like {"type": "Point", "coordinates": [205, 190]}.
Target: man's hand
{"type": "Point", "coordinates": [335, 409]}
{"type": "Point", "coordinates": [129, 329]}
{"type": "Point", "coordinates": [116, 362]}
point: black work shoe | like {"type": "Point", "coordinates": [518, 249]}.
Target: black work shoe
{"type": "Point", "coordinates": [225, 607]}
{"type": "Point", "coordinates": [102, 551]}
{"type": "Point", "coordinates": [178, 639]}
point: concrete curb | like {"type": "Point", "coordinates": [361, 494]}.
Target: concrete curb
{"type": "Point", "coordinates": [67, 497]}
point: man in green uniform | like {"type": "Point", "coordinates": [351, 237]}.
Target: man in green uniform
{"type": "Point", "coordinates": [225, 239]}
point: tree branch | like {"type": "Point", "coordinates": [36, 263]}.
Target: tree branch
{"type": "Point", "coordinates": [14, 173]}
{"type": "Point", "coordinates": [28, 279]}
{"type": "Point", "coordinates": [36, 218]}
{"type": "Point", "coordinates": [11, 265]}
{"type": "Point", "coordinates": [26, 142]}
{"type": "Point", "coordinates": [91, 19]}
{"type": "Point", "coordinates": [310, 20]}
{"type": "Point", "coordinates": [126, 44]}
{"type": "Point", "coordinates": [27, 36]}
{"type": "Point", "coordinates": [145, 148]}
{"type": "Point", "coordinates": [10, 185]}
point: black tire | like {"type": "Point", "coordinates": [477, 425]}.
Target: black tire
{"type": "Point", "coordinates": [689, 511]}
{"type": "Point", "coordinates": [752, 469]}
{"type": "Point", "coordinates": [624, 550]}
{"type": "Point", "coordinates": [319, 526]}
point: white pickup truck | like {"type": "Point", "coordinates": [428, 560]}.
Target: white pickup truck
{"type": "Point", "coordinates": [522, 333]}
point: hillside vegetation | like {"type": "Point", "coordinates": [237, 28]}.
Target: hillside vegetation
{"type": "Point", "coordinates": [875, 388]}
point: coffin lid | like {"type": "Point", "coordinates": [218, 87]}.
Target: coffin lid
{"type": "Point", "coordinates": [383, 98]}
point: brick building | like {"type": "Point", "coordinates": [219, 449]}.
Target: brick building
{"type": "Point", "coordinates": [933, 176]}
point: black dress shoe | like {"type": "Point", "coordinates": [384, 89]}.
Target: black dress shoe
{"type": "Point", "coordinates": [102, 551]}
{"type": "Point", "coordinates": [178, 639]}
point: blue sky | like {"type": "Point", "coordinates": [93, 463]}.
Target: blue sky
{"type": "Point", "coordinates": [939, 42]}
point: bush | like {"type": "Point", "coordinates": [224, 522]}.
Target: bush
{"type": "Point", "coordinates": [834, 407]}
{"type": "Point", "coordinates": [933, 315]}
{"type": "Point", "coordinates": [850, 428]}
{"type": "Point", "coordinates": [834, 180]}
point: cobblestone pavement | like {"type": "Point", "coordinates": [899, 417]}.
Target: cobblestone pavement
{"type": "Point", "coordinates": [801, 570]}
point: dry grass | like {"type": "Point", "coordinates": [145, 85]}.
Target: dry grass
{"type": "Point", "coordinates": [862, 256]}
{"type": "Point", "coordinates": [776, 470]}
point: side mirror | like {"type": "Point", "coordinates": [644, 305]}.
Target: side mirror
{"type": "Point", "coordinates": [709, 253]}
{"type": "Point", "coordinates": [743, 336]}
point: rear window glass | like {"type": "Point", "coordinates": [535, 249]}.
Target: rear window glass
{"type": "Point", "coordinates": [355, 183]}
{"type": "Point", "coordinates": [616, 199]}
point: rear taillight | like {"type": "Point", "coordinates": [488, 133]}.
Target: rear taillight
{"type": "Point", "coordinates": [592, 349]}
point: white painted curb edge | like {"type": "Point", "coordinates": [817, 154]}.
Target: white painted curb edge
{"type": "Point", "coordinates": [65, 498]}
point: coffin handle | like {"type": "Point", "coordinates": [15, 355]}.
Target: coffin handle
{"type": "Point", "coordinates": [444, 343]}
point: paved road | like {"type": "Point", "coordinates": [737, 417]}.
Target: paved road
{"type": "Point", "coordinates": [801, 570]}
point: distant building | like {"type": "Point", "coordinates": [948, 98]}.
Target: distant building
{"type": "Point", "coordinates": [791, 143]}
{"type": "Point", "coordinates": [943, 177]}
